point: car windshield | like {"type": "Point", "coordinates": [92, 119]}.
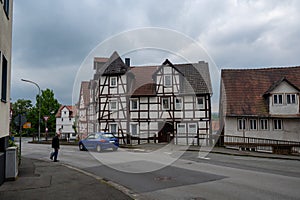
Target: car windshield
{"type": "Point", "coordinates": [108, 135]}
{"type": "Point", "coordinates": [92, 136]}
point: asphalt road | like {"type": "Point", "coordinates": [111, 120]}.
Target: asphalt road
{"type": "Point", "coordinates": [215, 177]}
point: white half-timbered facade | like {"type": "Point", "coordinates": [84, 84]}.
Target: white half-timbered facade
{"type": "Point", "coordinates": [168, 102]}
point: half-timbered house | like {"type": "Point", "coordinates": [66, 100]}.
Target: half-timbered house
{"type": "Point", "coordinates": [170, 101]}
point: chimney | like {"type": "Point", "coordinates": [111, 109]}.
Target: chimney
{"type": "Point", "coordinates": [127, 62]}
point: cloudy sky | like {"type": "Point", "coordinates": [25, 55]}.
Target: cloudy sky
{"type": "Point", "coordinates": [52, 38]}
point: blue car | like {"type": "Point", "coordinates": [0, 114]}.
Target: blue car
{"type": "Point", "coordinates": [99, 141]}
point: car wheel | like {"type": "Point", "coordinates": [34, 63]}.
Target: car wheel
{"type": "Point", "coordinates": [98, 148]}
{"type": "Point", "coordinates": [115, 148]}
{"type": "Point", "coordinates": [81, 147]}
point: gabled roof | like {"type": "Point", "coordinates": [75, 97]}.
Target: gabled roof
{"type": "Point", "coordinates": [277, 83]}
{"type": "Point", "coordinates": [243, 90]}
{"type": "Point", "coordinates": [72, 110]}
{"type": "Point", "coordinates": [115, 66]}
{"type": "Point", "coordinates": [196, 78]}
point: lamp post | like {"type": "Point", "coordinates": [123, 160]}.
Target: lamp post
{"type": "Point", "coordinates": [28, 81]}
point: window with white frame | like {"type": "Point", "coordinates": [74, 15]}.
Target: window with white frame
{"type": "Point", "coordinates": [134, 104]}
{"type": "Point", "coordinates": [253, 124]}
{"type": "Point", "coordinates": [113, 128]}
{"type": "Point", "coordinates": [291, 99]}
{"type": "Point", "coordinates": [134, 129]}
{"type": "Point", "coordinates": [178, 103]}
{"type": "Point", "coordinates": [165, 103]}
{"type": "Point", "coordinates": [200, 102]}
{"type": "Point", "coordinates": [113, 105]}
{"type": "Point", "coordinates": [167, 80]}
{"type": "Point", "coordinates": [277, 124]}
{"type": "Point", "coordinates": [264, 124]}
{"type": "Point", "coordinates": [278, 99]}
{"type": "Point", "coordinates": [113, 81]}
{"type": "Point", "coordinates": [241, 124]}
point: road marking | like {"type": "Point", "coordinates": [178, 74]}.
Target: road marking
{"type": "Point", "coordinates": [204, 158]}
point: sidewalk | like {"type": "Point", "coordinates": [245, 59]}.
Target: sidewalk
{"type": "Point", "coordinates": [48, 180]}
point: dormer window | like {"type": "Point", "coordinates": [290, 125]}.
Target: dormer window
{"type": "Point", "coordinates": [278, 99]}
{"type": "Point", "coordinates": [291, 98]}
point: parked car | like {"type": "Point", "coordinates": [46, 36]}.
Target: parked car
{"type": "Point", "coordinates": [99, 141]}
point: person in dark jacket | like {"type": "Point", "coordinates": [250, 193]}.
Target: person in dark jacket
{"type": "Point", "coordinates": [55, 146]}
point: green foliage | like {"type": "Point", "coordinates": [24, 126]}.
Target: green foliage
{"type": "Point", "coordinates": [49, 107]}
{"type": "Point", "coordinates": [11, 142]}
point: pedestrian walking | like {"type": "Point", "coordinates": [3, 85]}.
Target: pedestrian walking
{"type": "Point", "coordinates": [55, 146]}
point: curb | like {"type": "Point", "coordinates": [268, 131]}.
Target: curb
{"type": "Point", "coordinates": [115, 185]}
{"type": "Point", "coordinates": [296, 158]}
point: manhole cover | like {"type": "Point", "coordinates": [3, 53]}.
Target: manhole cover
{"type": "Point", "coordinates": [163, 178]}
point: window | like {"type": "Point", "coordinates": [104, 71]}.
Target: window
{"type": "Point", "coordinates": [264, 124]}
{"type": "Point", "coordinates": [134, 129]}
{"type": "Point", "coordinates": [134, 104]}
{"type": "Point", "coordinates": [253, 124]}
{"type": "Point", "coordinates": [113, 81]}
{"type": "Point", "coordinates": [291, 98]}
{"type": "Point", "coordinates": [192, 129]}
{"type": "Point", "coordinates": [62, 119]}
{"type": "Point", "coordinates": [200, 102]}
{"type": "Point", "coordinates": [4, 80]}
{"type": "Point", "coordinates": [113, 128]}
{"type": "Point", "coordinates": [277, 124]}
{"type": "Point", "coordinates": [241, 124]}
{"type": "Point", "coordinates": [181, 129]}
{"type": "Point", "coordinates": [178, 103]}
{"type": "Point", "coordinates": [277, 99]}
{"type": "Point", "coordinates": [165, 103]}
{"type": "Point", "coordinates": [6, 7]}
{"type": "Point", "coordinates": [113, 105]}
{"type": "Point", "coordinates": [168, 80]}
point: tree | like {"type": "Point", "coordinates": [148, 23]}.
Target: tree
{"type": "Point", "coordinates": [21, 106]}
{"type": "Point", "coordinates": [49, 107]}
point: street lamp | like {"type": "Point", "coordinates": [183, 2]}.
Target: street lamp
{"type": "Point", "coordinates": [28, 81]}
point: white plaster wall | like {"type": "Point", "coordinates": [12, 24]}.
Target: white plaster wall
{"type": "Point", "coordinates": [290, 132]}
{"type": "Point", "coordinates": [284, 109]}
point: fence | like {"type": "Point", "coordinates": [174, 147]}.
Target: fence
{"type": "Point", "coordinates": [251, 143]}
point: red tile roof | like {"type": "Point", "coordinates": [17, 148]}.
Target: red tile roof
{"type": "Point", "coordinates": [72, 110]}
{"type": "Point", "coordinates": [100, 59]}
{"type": "Point", "coordinates": [143, 84]}
{"type": "Point", "coordinates": [243, 90]}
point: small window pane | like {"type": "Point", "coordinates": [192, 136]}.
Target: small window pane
{"type": "Point", "coordinates": [168, 80]}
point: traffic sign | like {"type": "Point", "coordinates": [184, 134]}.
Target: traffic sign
{"type": "Point", "coordinates": [27, 125]}
{"type": "Point", "coordinates": [20, 118]}
{"type": "Point", "coordinates": [46, 118]}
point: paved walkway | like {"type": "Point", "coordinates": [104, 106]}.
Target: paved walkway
{"type": "Point", "coordinates": [53, 181]}
{"type": "Point", "coordinates": [48, 180]}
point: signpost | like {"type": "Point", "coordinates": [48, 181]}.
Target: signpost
{"type": "Point", "coordinates": [46, 129]}
{"type": "Point", "coordinates": [20, 120]}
